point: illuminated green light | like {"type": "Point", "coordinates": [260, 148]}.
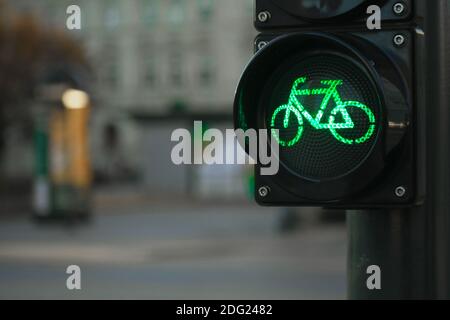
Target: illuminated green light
{"type": "Point", "coordinates": [342, 108]}
{"type": "Point", "coordinates": [288, 109]}
{"type": "Point", "coordinates": [345, 106]}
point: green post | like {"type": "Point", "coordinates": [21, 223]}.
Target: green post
{"type": "Point", "coordinates": [41, 190]}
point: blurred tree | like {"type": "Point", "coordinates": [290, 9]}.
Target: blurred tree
{"type": "Point", "coordinates": [27, 50]}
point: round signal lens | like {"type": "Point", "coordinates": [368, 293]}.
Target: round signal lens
{"type": "Point", "coordinates": [325, 112]}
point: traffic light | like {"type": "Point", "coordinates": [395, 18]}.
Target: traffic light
{"type": "Point", "coordinates": [343, 102]}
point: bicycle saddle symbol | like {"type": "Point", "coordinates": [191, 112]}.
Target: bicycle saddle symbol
{"type": "Point", "coordinates": [330, 92]}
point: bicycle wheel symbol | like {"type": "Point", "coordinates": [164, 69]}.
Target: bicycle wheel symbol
{"type": "Point", "coordinates": [344, 109]}
{"type": "Point", "coordinates": [285, 112]}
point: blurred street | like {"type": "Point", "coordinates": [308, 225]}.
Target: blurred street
{"type": "Point", "coordinates": [87, 118]}
{"type": "Point", "coordinates": [183, 251]}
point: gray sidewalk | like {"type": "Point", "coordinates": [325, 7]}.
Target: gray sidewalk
{"type": "Point", "coordinates": [162, 253]}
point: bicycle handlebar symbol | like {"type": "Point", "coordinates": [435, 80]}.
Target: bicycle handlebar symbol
{"type": "Point", "coordinates": [294, 106]}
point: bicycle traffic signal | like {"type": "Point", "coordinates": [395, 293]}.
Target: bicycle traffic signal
{"type": "Point", "coordinates": [341, 100]}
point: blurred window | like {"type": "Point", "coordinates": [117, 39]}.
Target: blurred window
{"type": "Point", "coordinates": [176, 12]}
{"type": "Point", "coordinates": [107, 62]}
{"type": "Point", "coordinates": [206, 9]}
{"type": "Point", "coordinates": [112, 14]}
{"type": "Point", "coordinates": [176, 69]}
{"type": "Point", "coordinates": [206, 71]}
{"type": "Point", "coordinates": [150, 12]}
{"type": "Point", "coordinates": [112, 75]}
{"type": "Point", "coordinates": [150, 72]}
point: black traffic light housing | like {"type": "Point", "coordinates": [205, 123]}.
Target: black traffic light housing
{"type": "Point", "coordinates": [290, 14]}
{"type": "Point", "coordinates": [389, 175]}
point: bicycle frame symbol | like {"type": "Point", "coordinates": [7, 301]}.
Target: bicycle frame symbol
{"type": "Point", "coordinates": [330, 93]}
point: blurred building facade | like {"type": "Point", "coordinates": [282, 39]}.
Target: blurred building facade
{"type": "Point", "coordinates": [151, 54]}
{"type": "Point", "coordinates": [152, 58]}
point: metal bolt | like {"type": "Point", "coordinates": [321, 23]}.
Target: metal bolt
{"type": "Point", "coordinates": [399, 40]}
{"type": "Point", "coordinates": [264, 16]}
{"type": "Point", "coordinates": [262, 44]}
{"type": "Point", "coordinates": [400, 191]}
{"type": "Point", "coordinates": [264, 192]}
{"type": "Point", "coordinates": [399, 8]}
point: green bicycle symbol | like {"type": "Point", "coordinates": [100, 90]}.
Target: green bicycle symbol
{"type": "Point", "coordinates": [295, 107]}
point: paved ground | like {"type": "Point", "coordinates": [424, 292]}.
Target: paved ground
{"type": "Point", "coordinates": [213, 252]}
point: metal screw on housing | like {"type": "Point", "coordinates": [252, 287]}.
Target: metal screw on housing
{"type": "Point", "coordinates": [399, 8]}
{"type": "Point", "coordinates": [399, 40]}
{"type": "Point", "coordinates": [262, 44]}
{"type": "Point", "coordinates": [264, 16]}
{"type": "Point", "coordinates": [400, 192]}
{"type": "Point", "coordinates": [264, 192]}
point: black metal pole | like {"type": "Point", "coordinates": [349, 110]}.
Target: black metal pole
{"type": "Point", "coordinates": [412, 246]}
{"type": "Point", "coordinates": [396, 242]}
